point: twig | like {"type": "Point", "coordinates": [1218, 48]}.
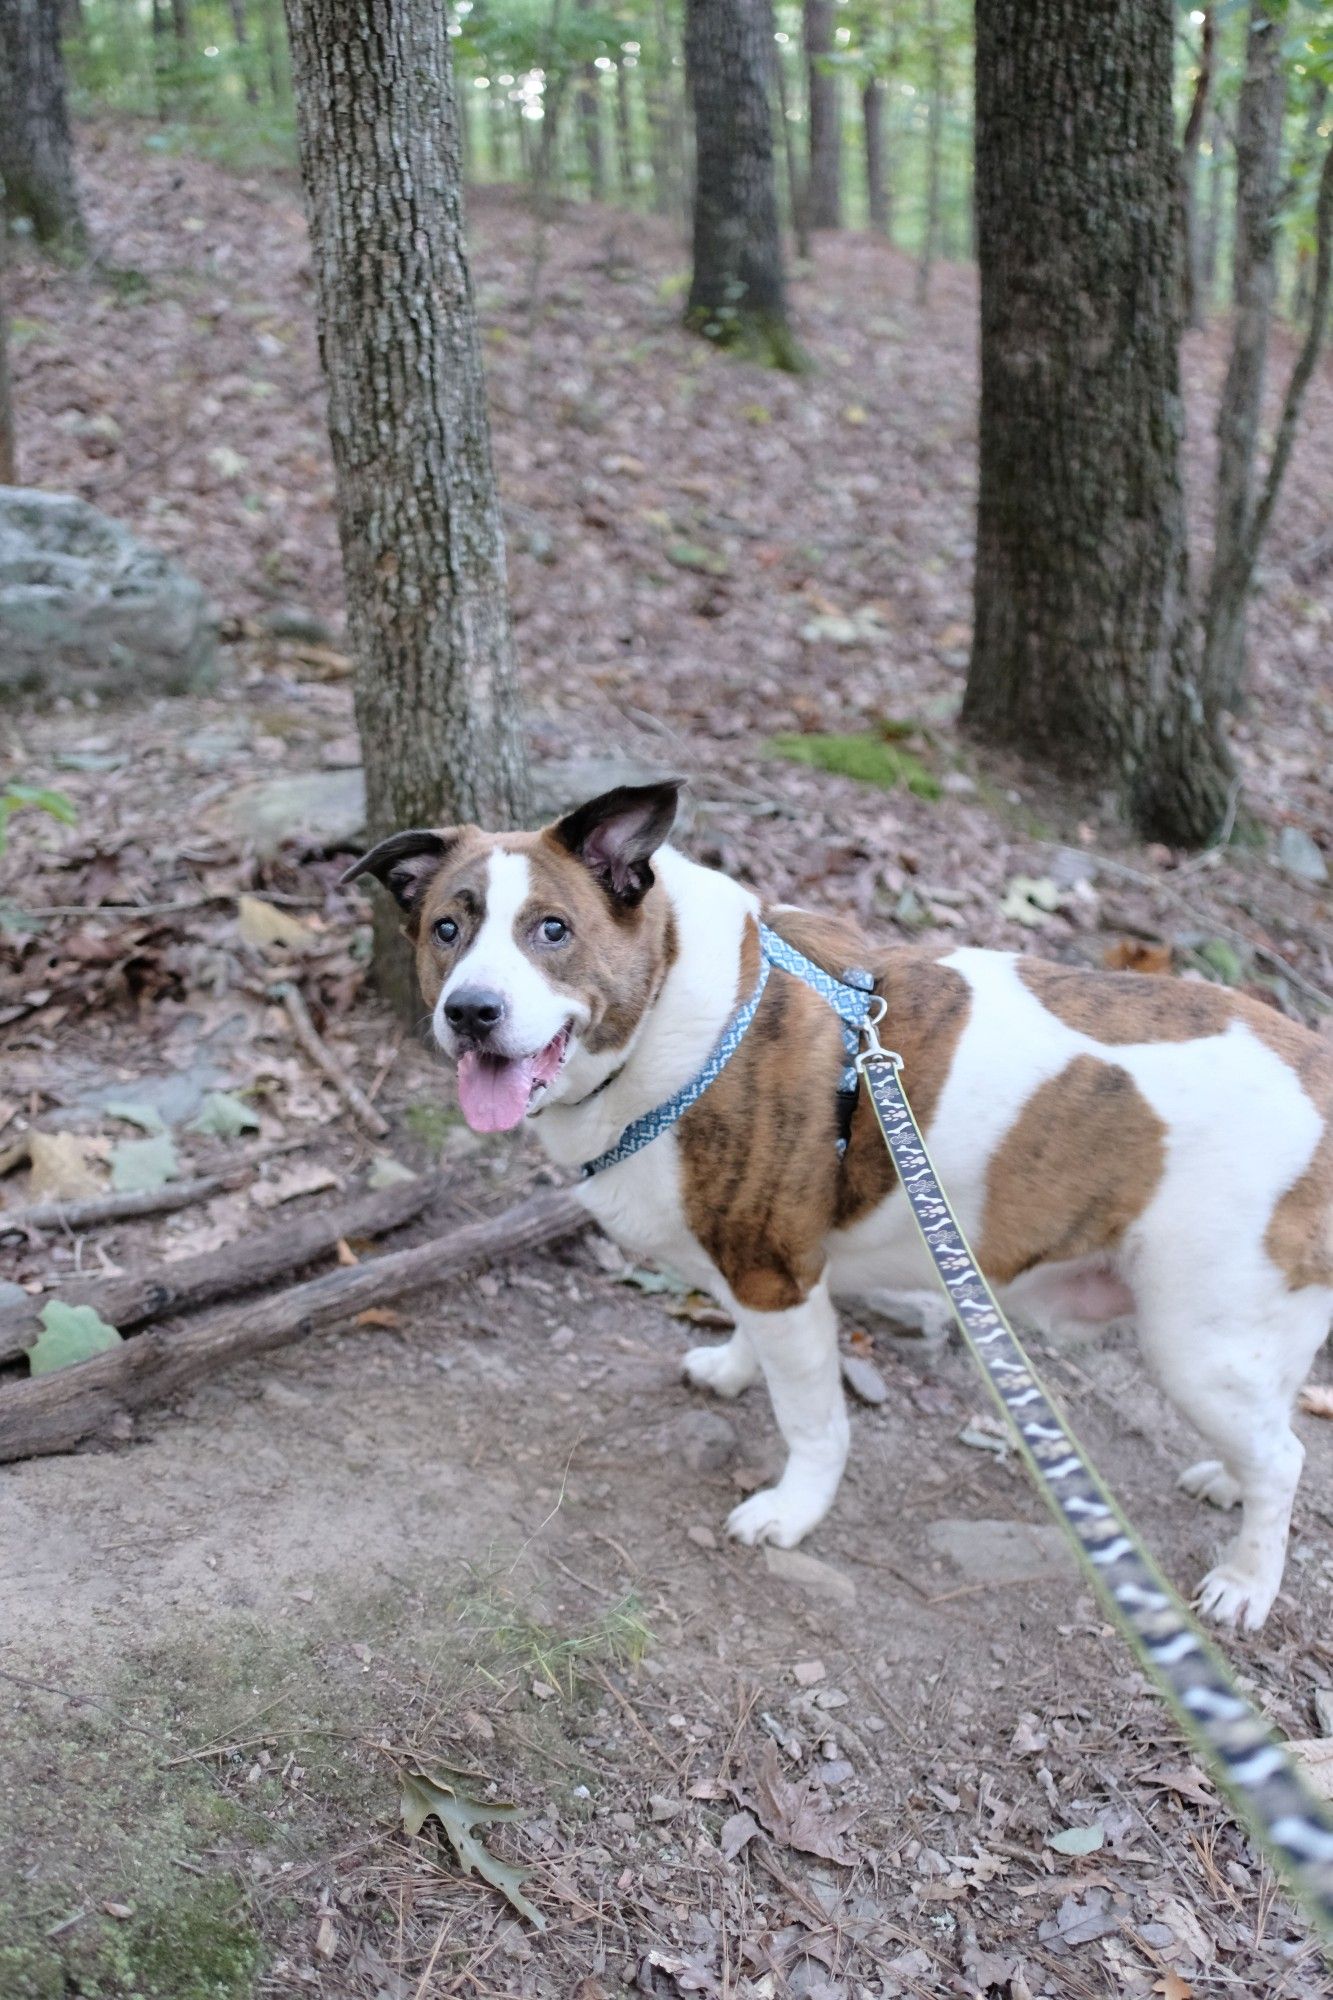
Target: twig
{"type": "Point", "coordinates": [125, 1207]}
{"type": "Point", "coordinates": [352, 1095]}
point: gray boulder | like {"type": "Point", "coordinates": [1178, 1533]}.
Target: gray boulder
{"type": "Point", "coordinates": [85, 605]}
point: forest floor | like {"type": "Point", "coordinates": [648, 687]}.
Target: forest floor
{"type": "Point", "coordinates": [465, 1530]}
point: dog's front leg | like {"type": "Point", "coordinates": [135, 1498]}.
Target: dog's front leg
{"type": "Point", "coordinates": [798, 1352]}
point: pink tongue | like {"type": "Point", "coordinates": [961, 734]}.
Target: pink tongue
{"type": "Point", "coordinates": [494, 1094]}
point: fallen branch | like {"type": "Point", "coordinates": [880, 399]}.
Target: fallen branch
{"type": "Point", "coordinates": [171, 1195]}
{"type": "Point", "coordinates": [137, 1296]}
{"type": "Point", "coordinates": [53, 1413]}
{"type": "Point", "coordinates": [352, 1095]}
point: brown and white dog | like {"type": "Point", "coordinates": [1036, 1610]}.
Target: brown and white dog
{"type": "Point", "coordinates": [1112, 1144]}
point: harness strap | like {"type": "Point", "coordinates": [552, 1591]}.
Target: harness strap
{"type": "Point", "coordinates": [1246, 1758]}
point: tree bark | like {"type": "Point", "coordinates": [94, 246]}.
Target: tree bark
{"type": "Point", "coordinates": [624, 130]}
{"type": "Point", "coordinates": [824, 186]}
{"type": "Point", "coordinates": [738, 294]}
{"type": "Point", "coordinates": [877, 187]}
{"type": "Point", "coordinates": [930, 235]}
{"type": "Point", "coordinates": [1084, 651]}
{"type": "Point", "coordinates": [1254, 277]}
{"type": "Point", "coordinates": [797, 188]}
{"type": "Point", "coordinates": [241, 33]}
{"type": "Point", "coordinates": [1211, 234]}
{"type": "Point", "coordinates": [590, 124]}
{"type": "Point", "coordinates": [36, 155]}
{"type": "Point", "coordinates": [8, 446]}
{"type": "Point", "coordinates": [418, 511]}
{"type": "Point", "coordinates": [1191, 231]}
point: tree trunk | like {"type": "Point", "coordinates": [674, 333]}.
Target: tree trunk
{"type": "Point", "coordinates": [877, 187]}
{"type": "Point", "coordinates": [273, 53]}
{"type": "Point", "coordinates": [1211, 234]}
{"type": "Point", "coordinates": [36, 156]}
{"type": "Point", "coordinates": [1259, 114]}
{"type": "Point", "coordinates": [797, 191]}
{"type": "Point", "coordinates": [737, 297]}
{"type": "Point", "coordinates": [930, 235]}
{"type": "Point", "coordinates": [824, 196]}
{"type": "Point", "coordinates": [418, 511]}
{"type": "Point", "coordinates": [1191, 231]}
{"type": "Point", "coordinates": [590, 124]}
{"type": "Point", "coordinates": [1084, 651]}
{"type": "Point", "coordinates": [8, 451]}
{"type": "Point", "coordinates": [624, 130]}
{"type": "Point", "coordinates": [242, 36]}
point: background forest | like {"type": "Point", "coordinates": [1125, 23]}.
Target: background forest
{"type": "Point", "coordinates": [913, 422]}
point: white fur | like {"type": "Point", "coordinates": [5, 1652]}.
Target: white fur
{"type": "Point", "coordinates": [535, 1010]}
{"type": "Point", "coordinates": [1225, 1336]}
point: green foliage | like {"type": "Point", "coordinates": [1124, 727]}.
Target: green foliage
{"type": "Point", "coordinates": [69, 1334]}
{"type": "Point", "coordinates": [868, 758]}
{"type": "Point", "coordinates": [441, 1794]}
{"type": "Point", "coordinates": [139, 1165]}
{"type": "Point", "coordinates": [20, 798]}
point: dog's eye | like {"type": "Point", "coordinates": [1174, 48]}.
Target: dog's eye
{"type": "Point", "coordinates": [446, 930]}
{"type": "Point", "coordinates": [555, 930]}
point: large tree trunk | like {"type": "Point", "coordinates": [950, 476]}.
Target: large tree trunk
{"type": "Point", "coordinates": [36, 157]}
{"type": "Point", "coordinates": [418, 511]}
{"type": "Point", "coordinates": [824, 188]}
{"type": "Point", "coordinates": [877, 186]}
{"type": "Point", "coordinates": [1084, 650]}
{"type": "Point", "coordinates": [737, 296]}
{"type": "Point", "coordinates": [1263, 95]}
{"type": "Point", "coordinates": [930, 234]}
{"type": "Point", "coordinates": [1191, 231]}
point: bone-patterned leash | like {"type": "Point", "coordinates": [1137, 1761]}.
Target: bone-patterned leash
{"type": "Point", "coordinates": [1246, 1759]}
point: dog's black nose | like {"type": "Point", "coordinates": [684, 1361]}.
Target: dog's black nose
{"type": "Point", "coordinates": [474, 1011]}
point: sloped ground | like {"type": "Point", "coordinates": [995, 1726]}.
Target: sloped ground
{"type": "Point", "coordinates": [469, 1533]}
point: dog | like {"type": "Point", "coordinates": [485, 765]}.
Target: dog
{"type": "Point", "coordinates": [1113, 1145]}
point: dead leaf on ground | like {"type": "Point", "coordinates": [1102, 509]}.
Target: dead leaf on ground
{"type": "Point", "coordinates": [65, 1167]}
{"type": "Point", "coordinates": [438, 1794]}
{"type": "Point", "coordinates": [286, 1187]}
{"type": "Point", "coordinates": [1173, 1987]}
{"type": "Point", "coordinates": [1316, 1400]}
{"type": "Point", "coordinates": [1314, 1754]}
{"type": "Point", "coordinates": [268, 928]}
{"type": "Point", "coordinates": [796, 1814]}
{"type": "Point", "coordinates": [1136, 955]}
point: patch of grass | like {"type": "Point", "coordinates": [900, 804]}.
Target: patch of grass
{"type": "Point", "coordinates": [866, 757]}
{"type": "Point", "coordinates": [431, 1124]}
{"type": "Point", "coordinates": [512, 1636]}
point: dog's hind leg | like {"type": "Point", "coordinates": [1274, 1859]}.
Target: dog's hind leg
{"type": "Point", "coordinates": [798, 1352]}
{"type": "Point", "coordinates": [726, 1367]}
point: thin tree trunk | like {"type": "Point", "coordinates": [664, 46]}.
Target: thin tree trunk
{"type": "Point", "coordinates": [241, 33]}
{"type": "Point", "coordinates": [737, 297]}
{"type": "Point", "coordinates": [1192, 261]}
{"type": "Point", "coordinates": [8, 448]}
{"type": "Point", "coordinates": [418, 511]}
{"type": "Point", "coordinates": [1254, 277]}
{"type": "Point", "coordinates": [797, 190]}
{"type": "Point", "coordinates": [1212, 228]}
{"type": "Point", "coordinates": [824, 200]}
{"type": "Point", "coordinates": [273, 52]}
{"type": "Point", "coordinates": [877, 191]}
{"type": "Point", "coordinates": [930, 236]}
{"type": "Point", "coordinates": [590, 124]}
{"type": "Point", "coordinates": [36, 154]}
{"type": "Point", "coordinates": [624, 130]}
{"type": "Point", "coordinates": [1084, 652]}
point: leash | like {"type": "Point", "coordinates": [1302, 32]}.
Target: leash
{"type": "Point", "coordinates": [1247, 1760]}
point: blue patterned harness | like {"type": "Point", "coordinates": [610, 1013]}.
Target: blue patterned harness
{"type": "Point", "coordinates": [1250, 1764]}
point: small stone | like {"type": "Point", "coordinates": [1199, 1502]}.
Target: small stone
{"type": "Point", "coordinates": [562, 1338]}
{"type": "Point", "coordinates": [830, 1698]}
{"type": "Point", "coordinates": [1299, 854]}
{"type": "Point", "coordinates": [304, 1596]}
{"type": "Point", "coordinates": [703, 1538]}
{"type": "Point", "coordinates": [543, 1690]}
{"type": "Point", "coordinates": [864, 1380]}
{"type": "Point", "coordinates": [837, 1771]}
{"type": "Point", "coordinates": [663, 1806]}
{"type": "Point", "coordinates": [705, 1440]}
{"type": "Point", "coordinates": [122, 1912]}
{"type": "Point", "coordinates": [806, 1672]}
{"type": "Point", "coordinates": [809, 1573]}
{"type": "Point", "coordinates": [326, 1938]}
{"type": "Point", "coordinates": [958, 783]}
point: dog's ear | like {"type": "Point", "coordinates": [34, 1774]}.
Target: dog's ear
{"type": "Point", "coordinates": [404, 863]}
{"type": "Point", "coordinates": [616, 835]}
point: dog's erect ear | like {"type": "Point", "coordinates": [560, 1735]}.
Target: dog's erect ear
{"type": "Point", "coordinates": [404, 863]}
{"type": "Point", "coordinates": [617, 835]}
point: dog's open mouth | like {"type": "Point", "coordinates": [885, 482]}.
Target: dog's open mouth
{"type": "Point", "coordinates": [496, 1092]}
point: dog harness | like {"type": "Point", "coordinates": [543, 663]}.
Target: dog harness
{"type": "Point", "coordinates": [1248, 1761]}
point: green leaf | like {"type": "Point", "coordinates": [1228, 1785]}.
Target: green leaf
{"type": "Point", "coordinates": [867, 758]}
{"type": "Point", "coordinates": [139, 1165]}
{"type": "Point", "coordinates": [693, 555]}
{"type": "Point", "coordinates": [1077, 1839]}
{"type": "Point", "coordinates": [438, 1795]}
{"type": "Point", "coordinates": [1222, 960]}
{"type": "Point", "coordinates": [223, 1116]}
{"type": "Point", "coordinates": [145, 1116]}
{"type": "Point", "coordinates": [387, 1172]}
{"type": "Point", "coordinates": [655, 1281]}
{"type": "Point", "coordinates": [69, 1334]}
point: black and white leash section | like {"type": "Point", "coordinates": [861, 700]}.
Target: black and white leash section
{"type": "Point", "coordinates": [1247, 1761]}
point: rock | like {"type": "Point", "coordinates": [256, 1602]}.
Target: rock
{"type": "Point", "coordinates": [1300, 855]}
{"type": "Point", "coordinates": [318, 811]}
{"type": "Point", "coordinates": [12, 1294]}
{"type": "Point", "coordinates": [87, 607]}
{"type": "Point", "coordinates": [1003, 1551]}
{"type": "Point", "coordinates": [809, 1573]}
{"type": "Point", "coordinates": [864, 1379]}
{"type": "Point", "coordinates": [705, 1440]}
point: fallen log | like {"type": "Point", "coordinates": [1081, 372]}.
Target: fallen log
{"type": "Point", "coordinates": [128, 1301]}
{"type": "Point", "coordinates": [53, 1413]}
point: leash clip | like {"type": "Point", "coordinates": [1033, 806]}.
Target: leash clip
{"type": "Point", "coordinates": [874, 1051]}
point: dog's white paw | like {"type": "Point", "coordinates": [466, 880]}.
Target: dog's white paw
{"type": "Point", "coordinates": [726, 1369]}
{"type": "Point", "coordinates": [1233, 1597]}
{"type": "Point", "coordinates": [774, 1515]}
{"type": "Point", "coordinates": [1209, 1480]}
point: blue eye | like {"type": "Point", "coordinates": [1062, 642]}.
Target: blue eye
{"type": "Point", "coordinates": [446, 930]}
{"type": "Point", "coordinates": [555, 930]}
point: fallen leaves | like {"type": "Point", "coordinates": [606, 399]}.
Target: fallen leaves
{"type": "Point", "coordinates": [796, 1814]}
{"type": "Point", "coordinates": [439, 1794]}
{"type": "Point", "coordinates": [64, 1166]}
{"type": "Point", "coordinates": [269, 929]}
{"type": "Point", "coordinates": [69, 1334]}
{"type": "Point", "coordinates": [138, 1165]}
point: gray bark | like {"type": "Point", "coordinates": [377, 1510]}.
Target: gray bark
{"type": "Point", "coordinates": [1191, 230]}
{"type": "Point", "coordinates": [1254, 278]}
{"type": "Point", "coordinates": [418, 511]}
{"type": "Point", "coordinates": [36, 156]}
{"type": "Point", "coordinates": [737, 296]}
{"type": "Point", "coordinates": [824, 187]}
{"type": "Point", "coordinates": [796, 185]}
{"type": "Point", "coordinates": [1211, 233]}
{"type": "Point", "coordinates": [1084, 651]}
{"type": "Point", "coordinates": [241, 32]}
{"type": "Point", "coordinates": [590, 125]}
{"type": "Point", "coordinates": [624, 130]}
{"type": "Point", "coordinates": [8, 447]}
{"type": "Point", "coordinates": [877, 186]}
{"type": "Point", "coordinates": [930, 235]}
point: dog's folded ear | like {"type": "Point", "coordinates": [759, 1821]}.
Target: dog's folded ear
{"type": "Point", "coordinates": [615, 836]}
{"type": "Point", "coordinates": [404, 863]}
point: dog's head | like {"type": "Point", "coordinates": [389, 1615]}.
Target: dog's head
{"type": "Point", "coordinates": [538, 952]}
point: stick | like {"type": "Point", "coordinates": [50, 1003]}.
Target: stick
{"type": "Point", "coordinates": [352, 1095]}
{"type": "Point", "coordinates": [53, 1413]}
{"type": "Point", "coordinates": [153, 1201]}
{"type": "Point", "coordinates": [126, 1302]}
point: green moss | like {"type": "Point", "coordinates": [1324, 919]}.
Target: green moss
{"type": "Point", "coordinates": [764, 338]}
{"type": "Point", "coordinates": [198, 1947]}
{"type": "Point", "coordinates": [866, 757]}
{"type": "Point", "coordinates": [431, 1124]}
